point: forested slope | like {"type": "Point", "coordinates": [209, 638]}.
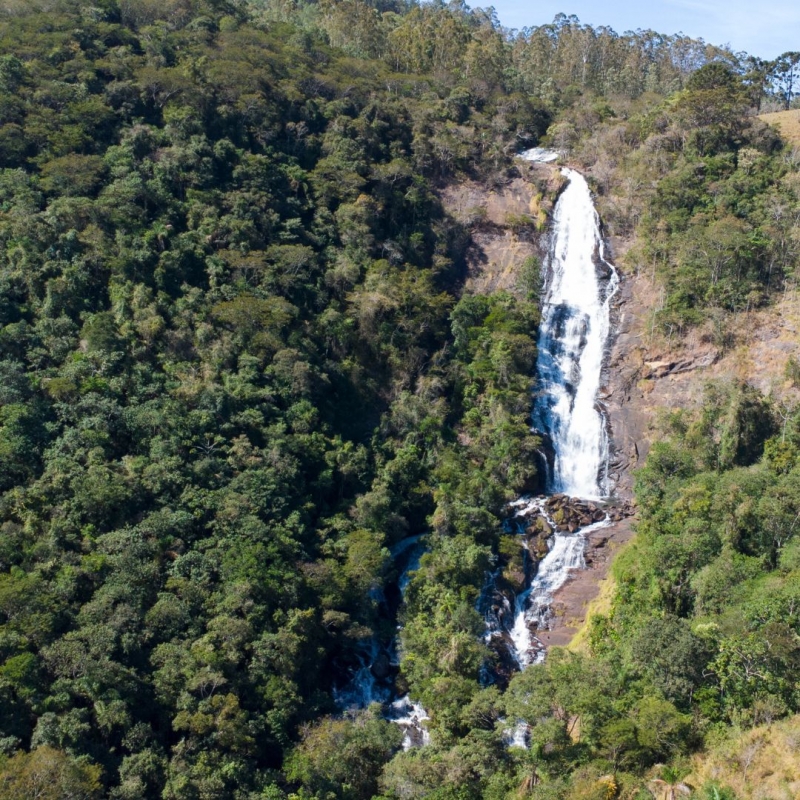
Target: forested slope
{"type": "Point", "coordinates": [238, 367]}
{"type": "Point", "coordinates": [234, 363]}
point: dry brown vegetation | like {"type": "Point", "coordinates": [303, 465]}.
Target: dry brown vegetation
{"type": "Point", "coordinates": [759, 764]}
{"type": "Point", "coordinates": [787, 122]}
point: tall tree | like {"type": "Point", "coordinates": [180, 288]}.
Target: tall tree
{"type": "Point", "coordinates": [786, 76]}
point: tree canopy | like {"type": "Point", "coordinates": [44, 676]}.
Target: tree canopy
{"type": "Point", "coordinates": [239, 370]}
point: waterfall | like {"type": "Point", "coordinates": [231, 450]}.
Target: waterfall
{"type": "Point", "coordinates": [410, 716]}
{"type": "Point", "coordinates": [572, 339]}
{"type": "Point", "coordinates": [571, 349]}
{"type": "Point", "coordinates": [533, 607]}
{"type": "Point", "coordinates": [363, 688]}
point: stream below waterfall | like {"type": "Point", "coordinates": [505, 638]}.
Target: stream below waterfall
{"type": "Point", "coordinates": [371, 680]}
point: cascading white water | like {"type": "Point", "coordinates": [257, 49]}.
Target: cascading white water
{"type": "Point", "coordinates": [410, 716]}
{"type": "Point", "coordinates": [572, 338]}
{"type": "Point", "coordinates": [363, 689]}
{"type": "Point", "coordinates": [517, 736]}
{"type": "Point", "coordinates": [540, 155]}
{"type": "Point", "coordinates": [405, 712]}
{"type": "Point", "coordinates": [533, 607]}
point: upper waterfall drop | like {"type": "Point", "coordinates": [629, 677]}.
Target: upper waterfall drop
{"type": "Point", "coordinates": [572, 340]}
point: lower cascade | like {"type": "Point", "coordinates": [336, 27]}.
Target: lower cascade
{"type": "Point", "coordinates": [567, 414]}
{"type": "Point", "coordinates": [371, 680]}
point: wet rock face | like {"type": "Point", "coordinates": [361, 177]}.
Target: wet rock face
{"type": "Point", "coordinates": [567, 514]}
{"type": "Point", "coordinates": [545, 464]}
{"type": "Point", "coordinates": [516, 621]}
{"type": "Point", "coordinates": [381, 667]}
{"type": "Point", "coordinates": [540, 527]}
{"type": "Point", "coordinates": [595, 547]}
{"type": "Point", "coordinates": [617, 513]}
{"type": "Point", "coordinates": [497, 606]}
{"type": "Point", "coordinates": [501, 666]}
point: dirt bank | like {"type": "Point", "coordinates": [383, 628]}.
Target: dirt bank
{"type": "Point", "coordinates": [571, 602]}
{"type": "Point", "coordinates": [506, 220]}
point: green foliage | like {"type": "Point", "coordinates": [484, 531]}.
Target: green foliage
{"type": "Point", "coordinates": [342, 757]}
{"type": "Point", "coordinates": [703, 629]}
{"type": "Point", "coordinates": [713, 791]}
{"type": "Point", "coordinates": [237, 367]}
{"type": "Point", "coordinates": [230, 382]}
{"type": "Point", "coordinates": [706, 189]}
{"type": "Point", "coordinates": [702, 608]}
{"type": "Point", "coordinates": [48, 774]}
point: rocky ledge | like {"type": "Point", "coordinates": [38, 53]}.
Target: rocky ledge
{"type": "Point", "coordinates": [571, 601]}
{"type": "Point", "coordinates": [568, 515]}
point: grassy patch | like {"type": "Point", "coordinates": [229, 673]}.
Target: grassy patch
{"type": "Point", "coordinates": [787, 122]}
{"type": "Point", "coordinates": [760, 763]}
{"type": "Point", "coordinates": [600, 605]}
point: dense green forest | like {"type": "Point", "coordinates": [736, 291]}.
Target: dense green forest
{"type": "Point", "coordinates": [238, 366]}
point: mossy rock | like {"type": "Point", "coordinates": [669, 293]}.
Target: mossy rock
{"type": "Point", "coordinates": [543, 526]}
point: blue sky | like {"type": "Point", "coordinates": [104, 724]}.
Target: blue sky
{"type": "Point", "coordinates": [765, 29]}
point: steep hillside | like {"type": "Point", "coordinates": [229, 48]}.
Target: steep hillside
{"type": "Point", "coordinates": [270, 289]}
{"type": "Point", "coordinates": [758, 764]}
{"type": "Point", "coordinates": [507, 219]}
{"type": "Point", "coordinates": [654, 373]}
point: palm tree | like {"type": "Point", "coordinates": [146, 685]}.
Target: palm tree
{"type": "Point", "coordinates": [669, 786]}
